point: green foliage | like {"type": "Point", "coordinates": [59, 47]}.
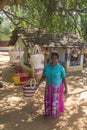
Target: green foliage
{"type": "Point", "coordinates": [54, 16]}
{"type": "Point", "coordinates": [4, 33]}
{"type": "Point", "coordinates": [84, 27]}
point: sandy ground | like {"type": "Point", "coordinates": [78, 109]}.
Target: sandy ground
{"type": "Point", "coordinates": [18, 113]}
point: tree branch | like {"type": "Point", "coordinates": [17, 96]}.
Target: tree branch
{"type": "Point", "coordinates": [17, 18]}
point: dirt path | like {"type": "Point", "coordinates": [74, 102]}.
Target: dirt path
{"type": "Point", "coordinates": [17, 113]}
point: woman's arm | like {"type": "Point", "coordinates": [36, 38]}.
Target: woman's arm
{"type": "Point", "coordinates": [65, 85]}
{"type": "Point", "coordinates": [41, 80]}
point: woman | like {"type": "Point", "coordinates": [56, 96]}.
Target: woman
{"type": "Point", "coordinates": [54, 91]}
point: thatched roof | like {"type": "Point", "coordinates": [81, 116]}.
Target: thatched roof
{"type": "Point", "coordinates": [31, 37]}
{"type": "Point", "coordinates": [66, 40]}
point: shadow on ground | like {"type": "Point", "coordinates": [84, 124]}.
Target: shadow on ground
{"type": "Point", "coordinates": [18, 113]}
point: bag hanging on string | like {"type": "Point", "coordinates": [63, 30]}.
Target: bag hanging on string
{"type": "Point", "coordinates": [37, 61]}
{"type": "Point", "coordinates": [37, 74]}
{"type": "Point", "coordinates": [29, 88]}
{"type": "Point", "coordinates": [15, 55]}
{"type": "Point", "coordinates": [19, 77]}
{"type": "Point", "coordinates": [37, 58]}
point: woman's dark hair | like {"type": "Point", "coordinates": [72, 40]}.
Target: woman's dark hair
{"type": "Point", "coordinates": [55, 54]}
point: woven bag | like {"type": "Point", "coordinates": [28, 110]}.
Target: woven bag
{"type": "Point", "coordinates": [15, 55]}
{"type": "Point", "coordinates": [37, 58]}
{"type": "Point", "coordinates": [29, 88]}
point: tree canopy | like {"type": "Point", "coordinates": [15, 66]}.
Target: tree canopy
{"type": "Point", "coordinates": [54, 16]}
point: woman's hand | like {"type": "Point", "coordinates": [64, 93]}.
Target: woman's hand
{"type": "Point", "coordinates": [65, 86]}
{"type": "Point", "coordinates": [40, 81]}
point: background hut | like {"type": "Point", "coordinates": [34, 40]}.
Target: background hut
{"type": "Point", "coordinates": [69, 46]}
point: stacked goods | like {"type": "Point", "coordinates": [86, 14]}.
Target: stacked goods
{"type": "Point", "coordinates": [29, 88]}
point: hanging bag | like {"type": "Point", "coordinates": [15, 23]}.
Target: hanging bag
{"type": "Point", "coordinates": [37, 61]}
{"type": "Point", "coordinates": [37, 58]}
{"type": "Point", "coordinates": [15, 55]}
{"type": "Point", "coordinates": [19, 77]}
{"type": "Point", "coordinates": [29, 88]}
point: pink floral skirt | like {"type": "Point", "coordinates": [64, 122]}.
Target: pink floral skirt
{"type": "Point", "coordinates": [54, 100]}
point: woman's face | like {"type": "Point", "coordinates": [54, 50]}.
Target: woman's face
{"type": "Point", "coordinates": [54, 59]}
